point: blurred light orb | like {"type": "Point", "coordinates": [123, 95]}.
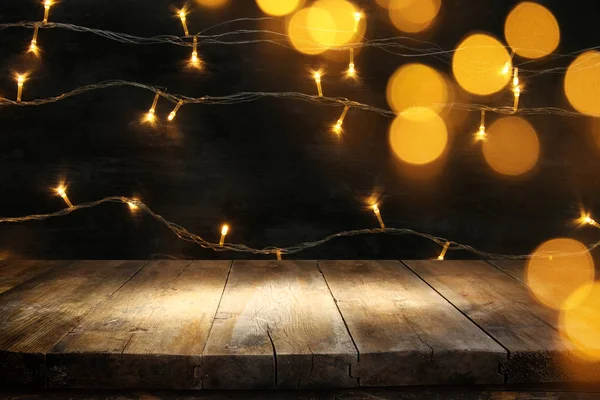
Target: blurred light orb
{"type": "Point", "coordinates": [342, 13]}
{"type": "Point", "coordinates": [478, 64]}
{"type": "Point", "coordinates": [582, 83]}
{"type": "Point", "coordinates": [580, 321]}
{"type": "Point", "coordinates": [552, 280]}
{"type": "Point", "coordinates": [418, 136]}
{"type": "Point", "coordinates": [413, 15]}
{"type": "Point", "coordinates": [279, 8]}
{"type": "Point", "coordinates": [299, 32]}
{"type": "Point", "coordinates": [416, 85]}
{"type": "Point", "coordinates": [384, 3]}
{"type": "Point", "coordinates": [532, 30]}
{"type": "Point", "coordinates": [512, 146]}
{"type": "Point", "coordinates": [212, 3]}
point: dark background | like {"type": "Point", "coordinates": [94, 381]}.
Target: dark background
{"type": "Point", "coordinates": [270, 168]}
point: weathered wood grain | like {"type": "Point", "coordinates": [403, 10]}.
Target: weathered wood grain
{"type": "Point", "coordinates": [150, 333]}
{"type": "Point", "coordinates": [37, 314]}
{"type": "Point", "coordinates": [506, 310]}
{"type": "Point", "coordinates": [13, 273]}
{"type": "Point", "coordinates": [514, 268]}
{"type": "Point", "coordinates": [407, 334]}
{"type": "Point", "coordinates": [277, 326]}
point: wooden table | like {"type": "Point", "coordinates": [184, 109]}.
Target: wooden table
{"type": "Point", "coordinates": [276, 324]}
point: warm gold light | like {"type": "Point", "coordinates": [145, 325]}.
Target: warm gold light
{"type": "Point", "coordinates": [278, 8]}
{"type": "Point", "coordinates": [150, 115]}
{"type": "Point", "coordinates": [224, 230]}
{"type": "Point", "coordinates": [580, 321]}
{"type": "Point", "coordinates": [418, 136]}
{"type": "Point", "coordinates": [20, 83]}
{"type": "Point", "coordinates": [582, 81]}
{"type": "Point", "coordinates": [531, 30]}
{"type": "Point", "coordinates": [132, 205]}
{"type": "Point", "coordinates": [278, 254]}
{"type": "Point", "coordinates": [337, 128]}
{"type": "Point", "coordinates": [586, 219]}
{"type": "Point", "coordinates": [375, 208]}
{"type": "Point", "coordinates": [62, 192]}
{"type": "Point", "coordinates": [444, 250]}
{"type": "Point", "coordinates": [512, 146]}
{"type": "Point", "coordinates": [481, 135]}
{"type": "Point", "coordinates": [47, 5]}
{"type": "Point", "coordinates": [194, 59]}
{"type": "Point", "coordinates": [299, 33]}
{"type": "Point", "coordinates": [413, 15]}
{"type": "Point", "coordinates": [516, 89]}
{"type": "Point", "coordinates": [182, 17]}
{"type": "Point", "coordinates": [357, 17]}
{"type": "Point", "coordinates": [479, 64]}
{"type": "Point", "coordinates": [174, 112]}
{"type": "Point", "coordinates": [317, 76]}
{"type": "Point", "coordinates": [33, 48]}
{"type": "Point", "coordinates": [553, 280]}
{"type": "Point", "coordinates": [416, 85]}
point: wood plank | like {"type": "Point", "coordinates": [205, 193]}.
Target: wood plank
{"type": "Point", "coordinates": [505, 309]}
{"type": "Point", "coordinates": [514, 268]}
{"type": "Point", "coordinates": [150, 333]}
{"type": "Point", "coordinates": [277, 326]}
{"type": "Point", "coordinates": [405, 332]}
{"type": "Point", "coordinates": [38, 313]}
{"type": "Point", "coordinates": [13, 273]}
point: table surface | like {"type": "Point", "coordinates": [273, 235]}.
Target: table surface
{"type": "Point", "coordinates": [277, 324]}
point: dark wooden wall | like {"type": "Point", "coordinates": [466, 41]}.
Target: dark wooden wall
{"type": "Point", "coordinates": [270, 168]}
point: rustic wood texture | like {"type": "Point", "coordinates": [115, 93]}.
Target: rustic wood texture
{"type": "Point", "coordinates": [150, 333]}
{"type": "Point", "coordinates": [278, 326]}
{"type": "Point", "coordinates": [406, 333]}
{"type": "Point", "coordinates": [514, 268]}
{"type": "Point", "coordinates": [38, 313]}
{"type": "Point", "coordinates": [504, 308]}
{"type": "Point", "coordinates": [13, 273]}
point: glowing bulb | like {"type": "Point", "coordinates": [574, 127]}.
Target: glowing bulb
{"type": "Point", "coordinates": [150, 115]}
{"type": "Point", "coordinates": [62, 192]}
{"type": "Point", "coordinates": [194, 60]}
{"type": "Point", "coordinates": [357, 17]}
{"type": "Point", "coordinates": [278, 253]}
{"type": "Point", "coordinates": [317, 76]}
{"type": "Point", "coordinates": [132, 205]}
{"type": "Point", "coordinates": [516, 89]}
{"type": "Point", "coordinates": [375, 208]}
{"type": "Point", "coordinates": [174, 112]}
{"type": "Point", "coordinates": [47, 5]}
{"type": "Point", "coordinates": [481, 135]}
{"type": "Point", "coordinates": [224, 230]}
{"type": "Point", "coordinates": [20, 82]}
{"type": "Point", "coordinates": [444, 250]}
{"type": "Point", "coordinates": [33, 46]}
{"type": "Point", "coordinates": [351, 71]}
{"type": "Point", "coordinates": [183, 21]}
{"type": "Point", "coordinates": [337, 128]}
{"type": "Point", "coordinates": [586, 219]}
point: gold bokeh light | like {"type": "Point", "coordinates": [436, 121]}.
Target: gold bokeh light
{"type": "Point", "coordinates": [343, 13]}
{"type": "Point", "coordinates": [299, 32]}
{"type": "Point", "coordinates": [478, 64]}
{"type": "Point", "coordinates": [212, 3]}
{"type": "Point", "coordinates": [416, 85]}
{"type": "Point", "coordinates": [580, 321]}
{"type": "Point", "coordinates": [582, 83]}
{"type": "Point", "coordinates": [512, 146]}
{"type": "Point", "coordinates": [279, 8]}
{"type": "Point", "coordinates": [418, 136]}
{"type": "Point", "coordinates": [413, 15]}
{"type": "Point", "coordinates": [553, 278]}
{"type": "Point", "coordinates": [532, 30]}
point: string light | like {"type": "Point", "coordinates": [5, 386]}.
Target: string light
{"type": "Point", "coordinates": [47, 5]}
{"type": "Point", "coordinates": [182, 17]}
{"type": "Point", "coordinates": [224, 230]}
{"type": "Point", "coordinates": [133, 204]}
{"type": "Point", "coordinates": [337, 128]}
{"type": "Point", "coordinates": [174, 112]}
{"type": "Point", "coordinates": [481, 135]}
{"type": "Point", "coordinates": [62, 192]}
{"type": "Point", "coordinates": [444, 250]}
{"type": "Point", "coordinates": [194, 60]}
{"type": "Point", "coordinates": [516, 89]}
{"type": "Point", "coordinates": [375, 208]}
{"type": "Point", "coordinates": [351, 71]}
{"type": "Point", "coordinates": [586, 219]}
{"type": "Point", "coordinates": [357, 17]}
{"type": "Point", "coordinates": [278, 253]}
{"type": "Point", "coordinates": [33, 48]}
{"type": "Point", "coordinates": [150, 116]}
{"type": "Point", "coordinates": [20, 83]}
{"type": "Point", "coordinates": [508, 65]}
{"type": "Point", "coordinates": [317, 76]}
